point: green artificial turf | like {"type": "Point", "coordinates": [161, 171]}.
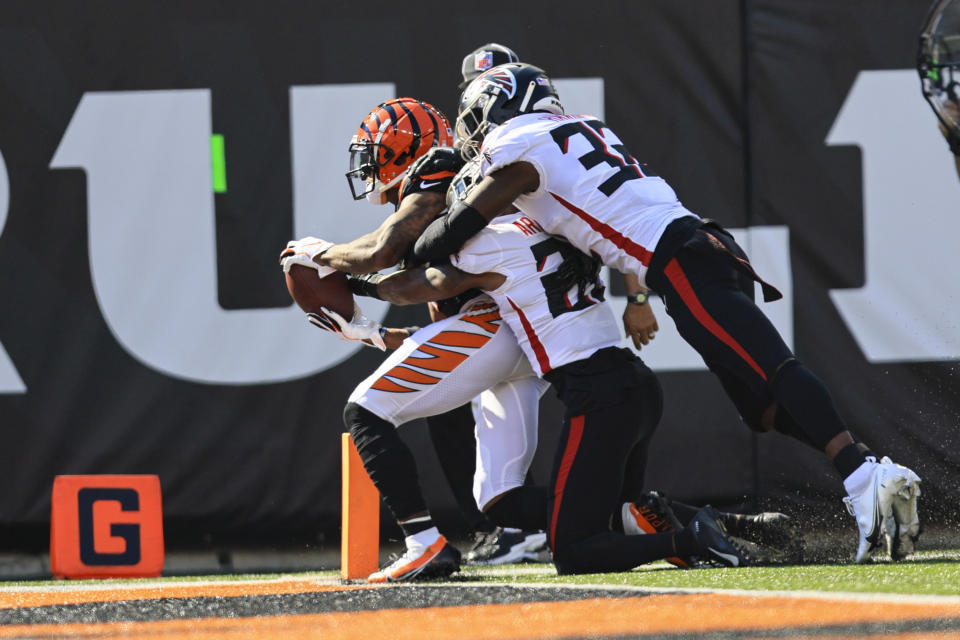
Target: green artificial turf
{"type": "Point", "coordinates": [927, 572]}
{"type": "Point", "coordinates": [924, 573]}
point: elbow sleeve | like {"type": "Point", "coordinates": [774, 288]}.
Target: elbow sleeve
{"type": "Point", "coordinates": [447, 234]}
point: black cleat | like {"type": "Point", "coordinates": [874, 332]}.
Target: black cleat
{"type": "Point", "coordinates": [505, 546]}
{"type": "Point", "coordinates": [769, 527]}
{"type": "Point", "coordinates": [777, 537]}
{"type": "Point", "coordinates": [713, 541]}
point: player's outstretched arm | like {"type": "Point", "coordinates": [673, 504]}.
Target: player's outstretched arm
{"type": "Point", "coordinates": [385, 246]}
{"type": "Point", "coordinates": [426, 284]}
{"type": "Point", "coordinates": [491, 197]}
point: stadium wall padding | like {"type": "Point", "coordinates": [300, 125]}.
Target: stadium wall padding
{"type": "Point", "coordinates": [146, 327]}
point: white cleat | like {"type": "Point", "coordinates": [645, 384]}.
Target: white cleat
{"type": "Point", "coordinates": [902, 537]}
{"type": "Point", "coordinates": [883, 496]}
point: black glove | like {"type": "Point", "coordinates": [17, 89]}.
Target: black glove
{"type": "Point", "coordinates": [434, 161]}
{"type": "Point", "coordinates": [579, 270]}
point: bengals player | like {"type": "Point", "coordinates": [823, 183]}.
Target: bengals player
{"type": "Point", "coordinates": [439, 368]}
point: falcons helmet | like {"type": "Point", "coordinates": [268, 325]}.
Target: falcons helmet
{"type": "Point", "coordinates": [499, 94]}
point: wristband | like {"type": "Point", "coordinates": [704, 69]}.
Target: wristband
{"type": "Point", "coordinates": [365, 285]}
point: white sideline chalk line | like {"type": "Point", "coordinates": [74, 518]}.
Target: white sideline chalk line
{"type": "Point", "coordinates": [873, 597]}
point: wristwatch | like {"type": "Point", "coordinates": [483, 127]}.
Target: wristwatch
{"type": "Point", "coordinates": [639, 298]}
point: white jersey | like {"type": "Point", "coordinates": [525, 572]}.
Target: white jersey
{"type": "Point", "coordinates": [592, 191]}
{"type": "Point", "coordinates": [552, 325]}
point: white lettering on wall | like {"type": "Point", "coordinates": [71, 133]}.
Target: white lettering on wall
{"type": "Point", "coordinates": [10, 381]}
{"type": "Point", "coordinates": [152, 243]}
{"type": "Point", "coordinates": [151, 227]}
{"type": "Point", "coordinates": [909, 306]}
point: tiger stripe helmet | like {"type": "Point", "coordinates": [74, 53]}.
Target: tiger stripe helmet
{"type": "Point", "coordinates": [390, 138]}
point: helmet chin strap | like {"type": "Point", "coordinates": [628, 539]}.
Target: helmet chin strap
{"type": "Point", "coordinates": [379, 195]}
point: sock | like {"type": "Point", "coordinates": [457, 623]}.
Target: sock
{"type": "Point", "coordinates": [730, 521]}
{"type": "Point", "coordinates": [850, 458]}
{"type": "Point", "coordinates": [616, 520]}
{"type": "Point", "coordinates": [784, 423]}
{"type": "Point", "coordinates": [806, 399]}
{"type": "Point", "coordinates": [414, 526]}
{"type": "Point", "coordinates": [423, 538]}
{"type": "Point", "coordinates": [522, 508]}
{"type": "Point", "coordinates": [858, 479]}
{"type": "Point", "coordinates": [684, 512]}
{"type": "Point", "coordinates": [387, 459]}
{"type": "Point", "coordinates": [685, 544]}
{"type": "Point", "coordinates": [483, 526]}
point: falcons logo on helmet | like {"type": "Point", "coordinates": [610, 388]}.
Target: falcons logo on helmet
{"type": "Point", "coordinates": [499, 78]}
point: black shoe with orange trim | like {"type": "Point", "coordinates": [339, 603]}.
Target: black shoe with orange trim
{"type": "Point", "coordinates": [652, 514]}
{"type": "Point", "coordinates": [420, 562]}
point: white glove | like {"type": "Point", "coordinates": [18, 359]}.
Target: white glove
{"type": "Point", "coordinates": [358, 328]}
{"type": "Point", "coordinates": [303, 252]}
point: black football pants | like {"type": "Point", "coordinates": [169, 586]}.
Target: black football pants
{"type": "Point", "coordinates": [711, 301]}
{"type": "Point", "coordinates": [613, 403]}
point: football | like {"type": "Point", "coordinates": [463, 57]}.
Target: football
{"type": "Point", "coordinates": [311, 292]}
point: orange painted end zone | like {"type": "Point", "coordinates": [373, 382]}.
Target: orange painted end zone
{"type": "Point", "coordinates": [15, 599]}
{"type": "Point", "coordinates": [675, 614]}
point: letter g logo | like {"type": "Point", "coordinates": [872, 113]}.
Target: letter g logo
{"type": "Point", "coordinates": [106, 526]}
{"type": "Point", "coordinates": [130, 533]}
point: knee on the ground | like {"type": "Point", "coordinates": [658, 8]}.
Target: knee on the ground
{"type": "Point", "coordinates": [568, 560]}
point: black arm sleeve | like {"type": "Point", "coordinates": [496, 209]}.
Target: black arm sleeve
{"type": "Point", "coordinates": [365, 285]}
{"type": "Point", "coordinates": [448, 233]}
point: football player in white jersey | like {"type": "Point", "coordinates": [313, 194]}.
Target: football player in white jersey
{"type": "Point", "coordinates": [613, 401]}
{"type": "Point", "coordinates": [499, 545]}
{"type": "Point", "coordinates": [640, 326]}
{"type": "Point", "coordinates": [576, 178]}
{"type": "Point", "coordinates": [441, 367]}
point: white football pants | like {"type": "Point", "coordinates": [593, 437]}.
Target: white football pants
{"type": "Point", "coordinates": [451, 362]}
